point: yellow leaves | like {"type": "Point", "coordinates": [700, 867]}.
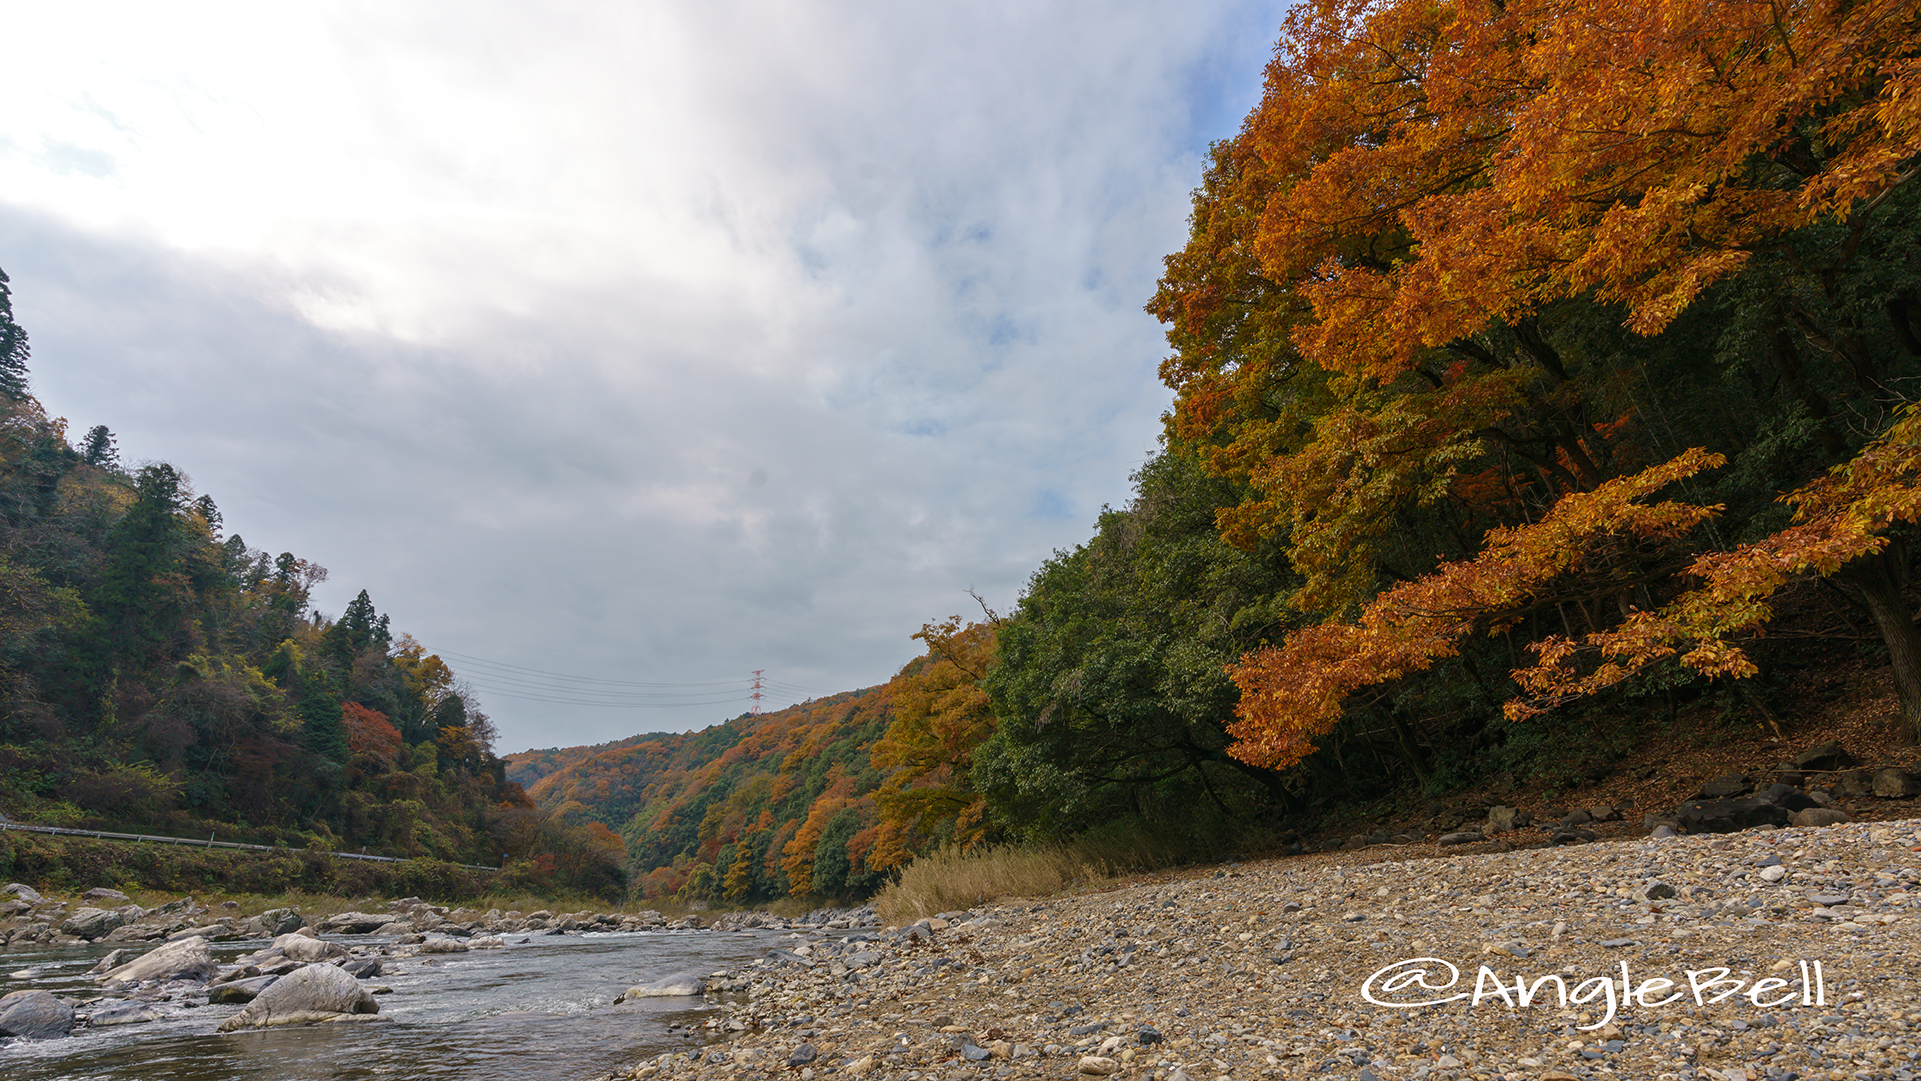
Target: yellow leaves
{"type": "Point", "coordinates": [940, 716]}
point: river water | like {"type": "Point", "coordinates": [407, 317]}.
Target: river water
{"type": "Point", "coordinates": [538, 1010]}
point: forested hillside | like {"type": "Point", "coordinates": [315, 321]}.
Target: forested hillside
{"type": "Point", "coordinates": [159, 674]}
{"type": "Point", "coordinates": [1531, 370]}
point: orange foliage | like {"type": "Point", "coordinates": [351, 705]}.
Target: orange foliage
{"type": "Point", "coordinates": [1838, 519]}
{"type": "Point", "coordinates": [1294, 694]}
{"type": "Point", "coordinates": [368, 733]}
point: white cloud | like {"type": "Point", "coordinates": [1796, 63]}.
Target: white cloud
{"type": "Point", "coordinates": [657, 342]}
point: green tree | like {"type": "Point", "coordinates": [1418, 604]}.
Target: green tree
{"type": "Point", "coordinates": [13, 347]}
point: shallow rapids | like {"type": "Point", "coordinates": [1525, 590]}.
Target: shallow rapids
{"type": "Point", "coordinates": [537, 1010]}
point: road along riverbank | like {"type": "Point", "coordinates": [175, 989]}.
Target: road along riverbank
{"type": "Point", "coordinates": [1768, 953]}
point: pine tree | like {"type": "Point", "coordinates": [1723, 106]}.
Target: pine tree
{"type": "Point", "coordinates": [13, 348]}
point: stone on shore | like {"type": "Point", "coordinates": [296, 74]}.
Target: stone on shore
{"type": "Point", "coordinates": [1820, 816]}
{"type": "Point", "coordinates": [187, 959]}
{"type": "Point", "coordinates": [678, 985]}
{"type": "Point", "coordinates": [313, 994]}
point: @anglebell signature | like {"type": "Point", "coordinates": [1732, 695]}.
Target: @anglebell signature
{"type": "Point", "coordinates": [1415, 982]}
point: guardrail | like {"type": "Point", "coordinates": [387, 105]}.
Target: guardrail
{"type": "Point", "coordinates": [195, 842]}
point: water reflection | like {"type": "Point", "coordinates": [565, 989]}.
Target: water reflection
{"type": "Point", "coordinates": [531, 1012]}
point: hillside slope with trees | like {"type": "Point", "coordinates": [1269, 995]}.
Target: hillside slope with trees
{"type": "Point", "coordinates": [160, 675]}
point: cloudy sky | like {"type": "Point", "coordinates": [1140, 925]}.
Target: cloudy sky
{"type": "Point", "coordinates": [620, 349]}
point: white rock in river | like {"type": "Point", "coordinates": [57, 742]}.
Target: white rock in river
{"type": "Point", "coordinates": [303, 948]}
{"type": "Point", "coordinates": [675, 986]}
{"type": "Point", "coordinates": [187, 959]}
{"type": "Point", "coordinates": [315, 993]}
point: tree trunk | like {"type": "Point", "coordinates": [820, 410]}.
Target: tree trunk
{"type": "Point", "coordinates": [1875, 583]}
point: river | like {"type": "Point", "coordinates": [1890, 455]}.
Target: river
{"type": "Point", "coordinates": [539, 1010]}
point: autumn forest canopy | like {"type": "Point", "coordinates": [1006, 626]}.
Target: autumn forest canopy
{"type": "Point", "coordinates": [1531, 363]}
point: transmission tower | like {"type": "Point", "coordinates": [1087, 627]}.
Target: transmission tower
{"type": "Point", "coordinates": [756, 695]}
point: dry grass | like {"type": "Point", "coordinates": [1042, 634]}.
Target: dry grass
{"type": "Point", "coordinates": [951, 879]}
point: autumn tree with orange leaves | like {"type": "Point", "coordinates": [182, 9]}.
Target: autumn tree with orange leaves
{"type": "Point", "coordinates": [1482, 292]}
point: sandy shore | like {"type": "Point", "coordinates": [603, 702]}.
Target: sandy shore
{"type": "Point", "coordinates": [1763, 954]}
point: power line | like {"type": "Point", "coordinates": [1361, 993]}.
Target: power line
{"type": "Point", "coordinates": [583, 679]}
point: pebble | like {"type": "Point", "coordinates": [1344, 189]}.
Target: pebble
{"type": "Point", "coordinates": [1256, 971]}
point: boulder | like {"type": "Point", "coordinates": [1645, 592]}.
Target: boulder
{"type": "Point", "coordinates": [92, 923]}
{"type": "Point", "coordinates": [1730, 815]}
{"type": "Point", "coordinates": [240, 992]}
{"type": "Point", "coordinates": [1602, 813]}
{"type": "Point", "coordinates": [1819, 816]}
{"type": "Point", "coordinates": [1895, 783]}
{"type": "Point", "coordinates": [1503, 819]}
{"type": "Point", "coordinates": [1854, 782]}
{"type": "Point", "coordinates": [361, 968]}
{"type": "Point", "coordinates": [1824, 757]}
{"type": "Point", "coordinates": [442, 945]}
{"type": "Point", "coordinates": [351, 923]}
{"type": "Point", "coordinates": [1724, 786]}
{"type": "Point", "coordinates": [678, 985]}
{"type": "Point", "coordinates": [34, 1015]}
{"type": "Point", "coordinates": [187, 959]}
{"type": "Point", "coordinates": [396, 928]}
{"type": "Point", "coordinates": [123, 1013]}
{"type": "Point", "coordinates": [309, 995]}
{"type": "Point", "coordinates": [102, 893]}
{"type": "Point", "coordinates": [1786, 795]}
{"type": "Point", "coordinates": [108, 962]}
{"type": "Point", "coordinates": [302, 948]}
{"type": "Point", "coordinates": [280, 921]}
{"type": "Point", "coordinates": [1465, 837]}
{"type": "Point", "coordinates": [23, 891]}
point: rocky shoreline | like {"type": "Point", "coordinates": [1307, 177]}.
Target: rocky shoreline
{"type": "Point", "coordinates": [1781, 953]}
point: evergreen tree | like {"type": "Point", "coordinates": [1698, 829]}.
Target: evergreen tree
{"type": "Point", "coordinates": [13, 348]}
{"type": "Point", "coordinates": [99, 449]}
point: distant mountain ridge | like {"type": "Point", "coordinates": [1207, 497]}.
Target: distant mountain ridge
{"type": "Point", "coordinates": [754, 807]}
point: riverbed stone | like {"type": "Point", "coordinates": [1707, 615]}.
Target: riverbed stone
{"type": "Point", "coordinates": [240, 992]}
{"type": "Point", "coordinates": [311, 994]}
{"type": "Point", "coordinates": [34, 1015]}
{"type": "Point", "coordinates": [92, 923]}
{"type": "Point", "coordinates": [123, 1013]}
{"type": "Point", "coordinates": [302, 948]}
{"type": "Point", "coordinates": [188, 959]}
{"type": "Point", "coordinates": [350, 923]}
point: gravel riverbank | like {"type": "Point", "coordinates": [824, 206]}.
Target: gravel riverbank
{"type": "Point", "coordinates": [1770, 953]}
